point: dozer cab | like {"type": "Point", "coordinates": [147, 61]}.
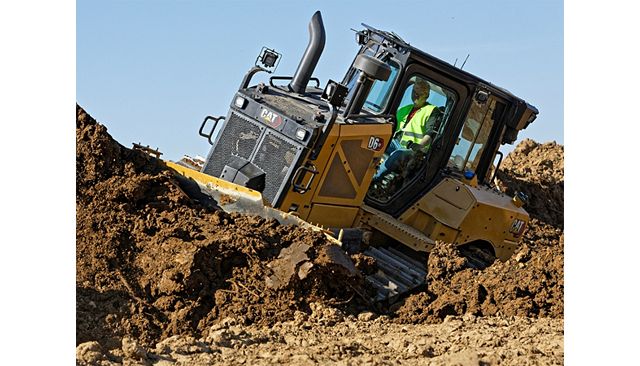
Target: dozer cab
{"type": "Point", "coordinates": [318, 155]}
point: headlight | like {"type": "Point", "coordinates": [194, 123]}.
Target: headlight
{"type": "Point", "coordinates": [301, 134]}
{"type": "Point", "coordinates": [239, 102]}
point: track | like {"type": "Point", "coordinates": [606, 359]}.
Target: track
{"type": "Point", "coordinates": [397, 273]}
{"type": "Point", "coordinates": [478, 257]}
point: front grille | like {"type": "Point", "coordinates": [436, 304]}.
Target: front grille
{"type": "Point", "coordinates": [238, 137]}
{"type": "Point", "coordinates": [276, 157]}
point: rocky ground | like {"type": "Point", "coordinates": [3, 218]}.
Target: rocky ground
{"type": "Point", "coordinates": [326, 336]}
{"type": "Point", "coordinates": [164, 279]}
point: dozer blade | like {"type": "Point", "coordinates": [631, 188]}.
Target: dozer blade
{"type": "Point", "coordinates": [293, 261]}
{"type": "Point", "coordinates": [397, 273]}
{"type": "Point", "coordinates": [231, 197]}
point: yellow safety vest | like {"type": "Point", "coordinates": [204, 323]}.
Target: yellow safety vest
{"type": "Point", "coordinates": [416, 129]}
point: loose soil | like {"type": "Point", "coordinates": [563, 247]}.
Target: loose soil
{"type": "Point", "coordinates": [164, 278]}
{"type": "Point", "coordinates": [328, 337]}
{"type": "Point", "coordinates": [152, 263]}
{"type": "Point", "coordinates": [538, 171]}
{"type": "Point", "coordinates": [531, 282]}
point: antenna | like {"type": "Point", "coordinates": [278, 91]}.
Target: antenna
{"type": "Point", "coordinates": [465, 61]}
{"type": "Point", "coordinates": [455, 62]}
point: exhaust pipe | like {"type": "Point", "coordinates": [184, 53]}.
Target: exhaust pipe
{"type": "Point", "coordinates": [311, 55]}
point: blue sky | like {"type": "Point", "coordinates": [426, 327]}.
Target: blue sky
{"type": "Point", "coordinates": [151, 70]}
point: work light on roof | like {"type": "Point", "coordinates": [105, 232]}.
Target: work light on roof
{"type": "Point", "coordinates": [268, 59]}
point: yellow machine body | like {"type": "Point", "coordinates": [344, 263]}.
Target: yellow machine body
{"type": "Point", "coordinates": [456, 211]}
{"type": "Point", "coordinates": [347, 166]}
{"type": "Point", "coordinates": [459, 213]}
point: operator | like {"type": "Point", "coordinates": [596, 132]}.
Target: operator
{"type": "Point", "coordinates": [411, 132]}
{"type": "Point", "coordinates": [413, 118]}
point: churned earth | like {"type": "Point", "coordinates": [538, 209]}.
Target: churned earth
{"type": "Point", "coordinates": [162, 278]}
{"type": "Point", "coordinates": [326, 336]}
{"type": "Point", "coordinates": [152, 263]}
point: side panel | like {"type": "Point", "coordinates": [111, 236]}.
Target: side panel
{"type": "Point", "coordinates": [493, 219]}
{"type": "Point", "coordinates": [430, 226]}
{"type": "Point", "coordinates": [352, 164]}
{"type": "Point", "coordinates": [332, 216]}
{"type": "Point", "coordinates": [448, 202]}
{"type": "Point", "coordinates": [345, 166]}
{"type": "Point", "coordinates": [458, 213]}
{"type": "Point", "coordinates": [300, 203]}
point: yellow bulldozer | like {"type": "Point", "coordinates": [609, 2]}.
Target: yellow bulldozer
{"type": "Point", "coordinates": [320, 157]}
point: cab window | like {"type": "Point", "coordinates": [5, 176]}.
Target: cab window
{"type": "Point", "coordinates": [380, 92]}
{"type": "Point", "coordinates": [474, 136]}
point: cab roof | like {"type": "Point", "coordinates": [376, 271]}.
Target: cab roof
{"type": "Point", "coordinates": [444, 66]}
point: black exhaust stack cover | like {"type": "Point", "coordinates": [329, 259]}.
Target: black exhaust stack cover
{"type": "Point", "coordinates": [311, 55]}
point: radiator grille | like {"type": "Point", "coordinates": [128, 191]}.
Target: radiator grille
{"type": "Point", "coordinates": [275, 157]}
{"type": "Point", "coordinates": [239, 137]}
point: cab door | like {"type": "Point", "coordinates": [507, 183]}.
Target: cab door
{"type": "Point", "coordinates": [398, 185]}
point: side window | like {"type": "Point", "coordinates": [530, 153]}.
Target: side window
{"type": "Point", "coordinates": [473, 137]}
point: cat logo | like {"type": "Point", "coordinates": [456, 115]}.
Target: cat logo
{"type": "Point", "coordinates": [517, 227]}
{"type": "Point", "coordinates": [271, 118]}
{"type": "Point", "coordinates": [375, 143]}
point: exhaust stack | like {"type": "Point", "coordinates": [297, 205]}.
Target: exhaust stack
{"type": "Point", "coordinates": [311, 55]}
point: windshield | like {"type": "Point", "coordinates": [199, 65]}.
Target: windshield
{"type": "Point", "coordinates": [380, 91]}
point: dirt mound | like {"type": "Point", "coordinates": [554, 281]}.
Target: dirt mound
{"type": "Point", "coordinates": [531, 282]}
{"type": "Point", "coordinates": [538, 171]}
{"type": "Point", "coordinates": [151, 262]}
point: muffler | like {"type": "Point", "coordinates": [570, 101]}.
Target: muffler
{"type": "Point", "coordinates": [311, 55]}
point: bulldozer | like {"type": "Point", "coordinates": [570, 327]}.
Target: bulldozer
{"type": "Point", "coordinates": [317, 157]}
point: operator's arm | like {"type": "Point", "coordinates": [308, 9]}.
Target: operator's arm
{"type": "Point", "coordinates": [424, 143]}
{"type": "Point", "coordinates": [431, 126]}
